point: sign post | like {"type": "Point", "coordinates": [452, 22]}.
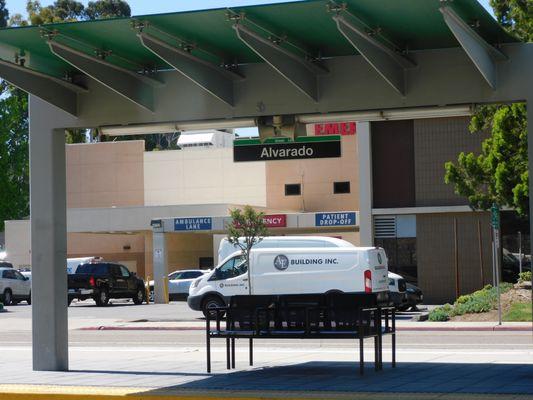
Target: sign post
{"type": "Point", "coordinates": [495, 222]}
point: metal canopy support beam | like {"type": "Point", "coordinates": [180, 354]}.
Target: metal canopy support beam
{"type": "Point", "coordinates": [482, 54]}
{"type": "Point", "coordinates": [387, 62]}
{"type": "Point", "coordinates": [211, 78]}
{"type": "Point", "coordinates": [301, 73]}
{"type": "Point", "coordinates": [131, 85]}
{"type": "Point", "coordinates": [53, 90]}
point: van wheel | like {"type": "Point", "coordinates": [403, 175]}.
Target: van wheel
{"type": "Point", "coordinates": [8, 297]}
{"type": "Point", "coordinates": [209, 304]}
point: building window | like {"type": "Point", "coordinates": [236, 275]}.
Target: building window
{"type": "Point", "coordinates": [293, 189]}
{"type": "Point", "coordinates": [341, 187]}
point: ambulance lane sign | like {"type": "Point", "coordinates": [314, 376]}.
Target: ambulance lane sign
{"type": "Point", "coordinates": [193, 224]}
{"type": "Point", "coordinates": [335, 219]}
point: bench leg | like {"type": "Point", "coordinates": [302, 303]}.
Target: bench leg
{"type": "Point", "coordinates": [233, 353]}
{"type": "Point", "coordinates": [228, 355]}
{"type": "Point", "coordinates": [251, 352]}
{"type": "Point", "coordinates": [376, 353]}
{"type": "Point", "coordinates": [361, 357]}
{"type": "Point", "coordinates": [393, 350]}
{"type": "Point", "coordinates": [208, 348]}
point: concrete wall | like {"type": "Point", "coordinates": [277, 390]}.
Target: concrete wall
{"type": "Point", "coordinates": [316, 178]}
{"type": "Point", "coordinates": [18, 236]}
{"type": "Point", "coordinates": [203, 176]}
{"type": "Point", "coordinates": [436, 254]}
{"type": "Point", "coordinates": [184, 249]}
{"type": "Point", "coordinates": [105, 174]}
{"type": "Point", "coordinates": [112, 247]}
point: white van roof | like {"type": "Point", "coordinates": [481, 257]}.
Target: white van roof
{"type": "Point", "coordinates": [334, 242]}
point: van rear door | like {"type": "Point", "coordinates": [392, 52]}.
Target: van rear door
{"type": "Point", "coordinates": [379, 270]}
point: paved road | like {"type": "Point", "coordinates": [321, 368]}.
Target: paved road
{"type": "Point", "coordinates": [466, 362]}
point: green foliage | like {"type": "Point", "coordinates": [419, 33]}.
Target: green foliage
{"type": "Point", "coordinates": [107, 9]}
{"type": "Point", "coordinates": [519, 312]}
{"type": "Point", "coordinates": [440, 314]}
{"type": "Point", "coordinates": [4, 14]}
{"type": "Point", "coordinates": [248, 224]}
{"type": "Point", "coordinates": [71, 10]}
{"type": "Point", "coordinates": [524, 277]}
{"type": "Point", "coordinates": [516, 16]}
{"type": "Point", "coordinates": [500, 173]}
{"type": "Point", "coordinates": [14, 157]}
{"type": "Point", "coordinates": [480, 301]}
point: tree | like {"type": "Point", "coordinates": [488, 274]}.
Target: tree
{"type": "Point", "coordinates": [245, 231]}
{"type": "Point", "coordinates": [107, 9]}
{"type": "Point", "coordinates": [516, 16]}
{"type": "Point", "coordinates": [500, 173]}
{"type": "Point", "coordinates": [14, 157]}
{"type": "Point", "coordinates": [4, 14]}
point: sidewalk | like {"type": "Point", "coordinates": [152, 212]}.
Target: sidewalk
{"type": "Point", "coordinates": [401, 325]}
{"type": "Point", "coordinates": [302, 371]}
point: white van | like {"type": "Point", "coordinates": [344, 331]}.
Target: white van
{"type": "Point", "coordinates": [287, 270]}
{"type": "Point", "coordinates": [226, 248]}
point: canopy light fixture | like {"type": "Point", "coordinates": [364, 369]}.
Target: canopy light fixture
{"type": "Point", "coordinates": [384, 115]}
{"type": "Point", "coordinates": [171, 127]}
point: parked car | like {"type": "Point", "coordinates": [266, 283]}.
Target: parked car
{"type": "Point", "coordinates": [403, 295]}
{"type": "Point", "coordinates": [104, 281]}
{"type": "Point", "coordinates": [14, 287]}
{"type": "Point", "coordinates": [397, 294]}
{"type": "Point", "coordinates": [511, 266]}
{"type": "Point", "coordinates": [414, 296]}
{"type": "Point", "coordinates": [179, 283]}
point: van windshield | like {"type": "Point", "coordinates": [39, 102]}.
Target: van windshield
{"type": "Point", "coordinates": [232, 268]}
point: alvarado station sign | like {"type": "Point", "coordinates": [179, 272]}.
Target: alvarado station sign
{"type": "Point", "coordinates": [307, 147]}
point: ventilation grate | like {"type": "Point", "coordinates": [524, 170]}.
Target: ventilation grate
{"type": "Point", "coordinates": [384, 227]}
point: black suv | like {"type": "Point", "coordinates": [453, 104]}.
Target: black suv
{"type": "Point", "coordinates": [104, 281]}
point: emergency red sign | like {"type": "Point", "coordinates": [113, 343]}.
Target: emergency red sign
{"type": "Point", "coordinates": [339, 128]}
{"type": "Point", "coordinates": [275, 221]}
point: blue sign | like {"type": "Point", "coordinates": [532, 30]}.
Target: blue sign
{"type": "Point", "coordinates": [193, 224]}
{"type": "Point", "coordinates": [335, 219]}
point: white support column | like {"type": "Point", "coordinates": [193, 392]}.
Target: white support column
{"type": "Point", "coordinates": [160, 266]}
{"type": "Point", "coordinates": [48, 238]}
{"type": "Point", "coordinates": [530, 163]}
{"type": "Point", "coordinates": [364, 156]}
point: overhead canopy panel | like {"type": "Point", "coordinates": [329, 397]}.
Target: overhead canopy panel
{"type": "Point", "coordinates": [306, 30]}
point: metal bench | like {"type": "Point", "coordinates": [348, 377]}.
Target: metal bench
{"type": "Point", "coordinates": [309, 316]}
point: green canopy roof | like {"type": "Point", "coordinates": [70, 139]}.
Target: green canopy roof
{"type": "Point", "coordinates": [304, 27]}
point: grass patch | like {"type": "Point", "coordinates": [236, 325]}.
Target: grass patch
{"type": "Point", "coordinates": [519, 312]}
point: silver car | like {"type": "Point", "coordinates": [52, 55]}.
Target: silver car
{"type": "Point", "coordinates": [179, 283]}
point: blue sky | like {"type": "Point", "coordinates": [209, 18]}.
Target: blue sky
{"type": "Point", "coordinates": [140, 7]}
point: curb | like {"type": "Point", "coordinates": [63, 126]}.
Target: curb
{"type": "Point", "coordinates": [398, 328]}
{"type": "Point", "coordinates": [42, 392]}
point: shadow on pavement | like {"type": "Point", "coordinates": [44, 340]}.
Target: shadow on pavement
{"type": "Point", "coordinates": [344, 377]}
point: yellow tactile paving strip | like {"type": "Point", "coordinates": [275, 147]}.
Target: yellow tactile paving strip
{"type": "Point", "coordinates": [42, 392]}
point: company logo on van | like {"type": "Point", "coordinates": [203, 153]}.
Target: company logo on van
{"type": "Point", "coordinates": [281, 262]}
